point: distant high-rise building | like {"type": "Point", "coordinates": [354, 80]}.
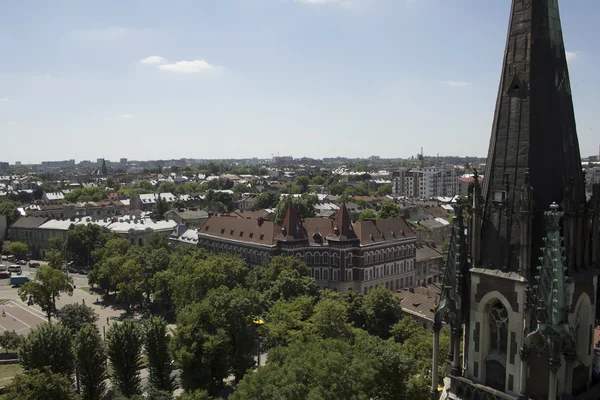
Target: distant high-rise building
{"type": "Point", "coordinates": [426, 182]}
{"type": "Point", "coordinates": [123, 161]}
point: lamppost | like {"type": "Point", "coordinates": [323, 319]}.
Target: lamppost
{"type": "Point", "coordinates": [258, 322]}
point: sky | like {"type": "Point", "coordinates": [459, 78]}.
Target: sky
{"type": "Point", "coordinates": [149, 79]}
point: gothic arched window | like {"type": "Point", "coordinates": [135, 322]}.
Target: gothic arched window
{"type": "Point", "coordinates": [496, 359]}
{"type": "Point", "coordinates": [498, 329]}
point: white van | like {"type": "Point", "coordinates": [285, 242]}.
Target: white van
{"type": "Point", "coordinates": [14, 268]}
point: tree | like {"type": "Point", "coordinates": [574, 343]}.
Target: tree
{"type": "Point", "coordinates": [10, 340]}
{"type": "Point", "coordinates": [90, 355]}
{"type": "Point", "coordinates": [130, 286]}
{"type": "Point", "coordinates": [46, 287]}
{"type": "Point", "coordinates": [41, 384]}
{"type": "Point", "coordinates": [195, 395]}
{"type": "Point", "coordinates": [286, 321]}
{"type": "Point", "coordinates": [304, 207]}
{"type": "Point", "coordinates": [18, 249]}
{"type": "Point", "coordinates": [9, 209]}
{"type": "Point", "coordinates": [234, 310]}
{"type": "Point", "coordinates": [317, 180]}
{"type": "Point", "coordinates": [200, 349]}
{"type": "Point", "coordinates": [75, 316]}
{"type": "Point", "coordinates": [157, 342]}
{"type": "Point", "coordinates": [81, 242]}
{"type": "Point", "coordinates": [389, 209]}
{"type": "Point", "coordinates": [48, 345]}
{"type": "Point", "coordinates": [330, 318]}
{"type": "Point", "coordinates": [384, 190]}
{"type": "Point", "coordinates": [56, 243]}
{"type": "Point", "coordinates": [381, 310]}
{"type": "Point", "coordinates": [367, 214]}
{"type": "Point", "coordinates": [325, 369]}
{"type": "Point", "coordinates": [303, 182]}
{"type": "Point", "coordinates": [160, 208]}
{"type": "Point", "coordinates": [125, 341]}
{"type": "Point", "coordinates": [267, 199]}
{"type": "Point", "coordinates": [336, 189]}
{"type": "Point", "coordinates": [55, 259]}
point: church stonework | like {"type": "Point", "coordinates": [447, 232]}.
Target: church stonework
{"type": "Point", "coordinates": [520, 281]}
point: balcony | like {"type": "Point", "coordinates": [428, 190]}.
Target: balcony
{"type": "Point", "coordinates": [463, 388]}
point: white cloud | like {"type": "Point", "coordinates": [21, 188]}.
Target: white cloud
{"type": "Point", "coordinates": [152, 60]}
{"type": "Point", "coordinates": [13, 123]}
{"type": "Point", "coordinates": [125, 116]}
{"type": "Point", "coordinates": [571, 55]}
{"type": "Point", "coordinates": [5, 100]}
{"type": "Point", "coordinates": [187, 66]}
{"type": "Point", "coordinates": [457, 83]}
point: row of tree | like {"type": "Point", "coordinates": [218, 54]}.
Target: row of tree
{"type": "Point", "coordinates": [55, 356]}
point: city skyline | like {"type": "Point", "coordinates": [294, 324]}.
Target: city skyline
{"type": "Point", "coordinates": [242, 79]}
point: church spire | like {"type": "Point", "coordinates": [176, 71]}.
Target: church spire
{"type": "Point", "coordinates": [533, 131]}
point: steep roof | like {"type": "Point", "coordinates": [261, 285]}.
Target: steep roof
{"type": "Point", "coordinates": [373, 231]}
{"type": "Point", "coordinates": [534, 138]}
{"type": "Point", "coordinates": [342, 226]}
{"type": "Point", "coordinates": [254, 231]}
{"type": "Point", "coordinates": [291, 227]}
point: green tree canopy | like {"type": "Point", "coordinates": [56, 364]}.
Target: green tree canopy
{"type": "Point", "coordinates": [18, 249]}
{"type": "Point", "coordinates": [75, 316]}
{"type": "Point", "coordinates": [9, 209]}
{"type": "Point", "coordinates": [381, 310]}
{"type": "Point", "coordinates": [55, 259]}
{"type": "Point", "coordinates": [389, 209]}
{"type": "Point", "coordinates": [82, 241]}
{"type": "Point", "coordinates": [267, 199]}
{"type": "Point", "coordinates": [385, 189]}
{"type": "Point", "coordinates": [328, 369]}
{"type": "Point", "coordinates": [91, 193]}
{"type": "Point", "coordinates": [156, 348]}
{"type": "Point", "coordinates": [367, 214]}
{"type": "Point", "coordinates": [124, 344]}
{"type": "Point", "coordinates": [90, 355]}
{"type": "Point", "coordinates": [36, 385]}
{"type": "Point", "coordinates": [45, 288]}
{"type": "Point", "coordinates": [48, 345]}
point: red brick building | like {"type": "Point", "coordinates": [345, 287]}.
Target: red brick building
{"type": "Point", "coordinates": [340, 254]}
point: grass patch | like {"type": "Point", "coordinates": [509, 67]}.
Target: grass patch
{"type": "Point", "coordinates": [85, 288]}
{"type": "Point", "coordinates": [7, 373]}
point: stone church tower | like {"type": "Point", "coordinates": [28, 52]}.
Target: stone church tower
{"type": "Point", "coordinates": [520, 282]}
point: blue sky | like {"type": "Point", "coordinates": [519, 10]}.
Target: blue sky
{"type": "Point", "coordinates": [148, 79]}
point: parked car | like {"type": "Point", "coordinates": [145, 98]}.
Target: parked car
{"type": "Point", "coordinates": [22, 262]}
{"type": "Point", "coordinates": [34, 264]}
{"type": "Point", "coordinates": [14, 268]}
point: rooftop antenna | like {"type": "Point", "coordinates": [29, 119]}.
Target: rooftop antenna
{"type": "Point", "coordinates": [421, 158]}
